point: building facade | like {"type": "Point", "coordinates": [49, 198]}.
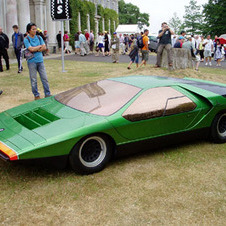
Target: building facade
{"type": "Point", "coordinates": [22, 12]}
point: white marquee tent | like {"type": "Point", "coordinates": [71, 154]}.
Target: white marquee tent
{"type": "Point", "coordinates": [128, 29]}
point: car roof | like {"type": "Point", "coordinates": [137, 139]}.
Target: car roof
{"type": "Point", "coordinates": [147, 82]}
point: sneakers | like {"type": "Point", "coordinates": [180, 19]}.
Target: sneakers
{"type": "Point", "coordinates": [210, 63]}
{"type": "Point", "coordinates": [206, 64]}
{"type": "Point", "coordinates": [37, 98]}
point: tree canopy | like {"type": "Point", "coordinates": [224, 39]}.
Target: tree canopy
{"type": "Point", "coordinates": [130, 14]}
{"type": "Point", "coordinates": [215, 17]}
{"type": "Point", "coordinates": [175, 23]}
{"type": "Point", "coordinates": [193, 18]}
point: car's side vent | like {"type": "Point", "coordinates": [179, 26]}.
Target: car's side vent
{"type": "Point", "coordinates": [36, 118]}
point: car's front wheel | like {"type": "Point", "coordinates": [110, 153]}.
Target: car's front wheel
{"type": "Point", "coordinates": [218, 128]}
{"type": "Point", "coordinates": [91, 154]}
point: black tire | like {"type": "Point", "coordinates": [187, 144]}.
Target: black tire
{"type": "Point", "coordinates": [91, 154]}
{"type": "Point", "coordinates": [218, 128]}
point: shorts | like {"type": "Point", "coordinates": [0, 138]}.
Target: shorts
{"type": "Point", "coordinates": [145, 55]}
{"type": "Point", "coordinates": [77, 44]}
{"type": "Point", "coordinates": [196, 58]}
{"type": "Point", "coordinates": [207, 53]}
{"type": "Point", "coordinates": [135, 59]}
{"type": "Point", "coordinates": [101, 45]}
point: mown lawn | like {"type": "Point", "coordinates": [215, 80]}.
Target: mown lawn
{"type": "Point", "coordinates": [179, 185]}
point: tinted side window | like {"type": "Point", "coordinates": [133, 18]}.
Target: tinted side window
{"type": "Point", "coordinates": [158, 102]}
{"type": "Point", "coordinates": [179, 105]}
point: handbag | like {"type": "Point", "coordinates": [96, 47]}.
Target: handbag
{"type": "Point", "coordinates": [27, 53]}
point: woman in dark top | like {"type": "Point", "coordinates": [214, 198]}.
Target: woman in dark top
{"type": "Point", "coordinates": [106, 44]}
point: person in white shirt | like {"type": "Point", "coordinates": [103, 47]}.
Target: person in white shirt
{"type": "Point", "coordinates": [197, 41]}
{"type": "Point", "coordinates": [100, 41]}
{"type": "Point", "coordinates": [208, 49]}
{"type": "Point", "coordinates": [174, 40]}
{"type": "Point", "coordinates": [122, 45]}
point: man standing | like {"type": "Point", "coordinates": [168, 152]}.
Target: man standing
{"type": "Point", "coordinates": [86, 45]}
{"type": "Point", "coordinates": [82, 40]}
{"type": "Point", "coordinates": [191, 47]}
{"type": "Point", "coordinates": [145, 50]}
{"type": "Point", "coordinates": [208, 49]}
{"type": "Point", "coordinates": [115, 48]}
{"type": "Point", "coordinates": [122, 45]}
{"type": "Point", "coordinates": [91, 41]}
{"type": "Point", "coordinates": [165, 43]}
{"type": "Point", "coordinates": [36, 45]}
{"type": "Point", "coordinates": [18, 41]}
{"type": "Point", "coordinates": [58, 38]}
{"type": "Point", "coordinates": [4, 45]}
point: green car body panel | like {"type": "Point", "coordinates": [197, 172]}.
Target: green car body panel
{"type": "Point", "coordinates": [48, 128]}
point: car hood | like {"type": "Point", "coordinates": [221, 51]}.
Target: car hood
{"type": "Point", "coordinates": [27, 126]}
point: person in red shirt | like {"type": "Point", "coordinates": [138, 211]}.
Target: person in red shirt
{"type": "Point", "coordinates": [86, 45]}
{"type": "Point", "coordinates": [87, 35]}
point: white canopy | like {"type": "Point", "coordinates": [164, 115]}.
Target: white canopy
{"type": "Point", "coordinates": [223, 36]}
{"type": "Point", "coordinates": [128, 29]}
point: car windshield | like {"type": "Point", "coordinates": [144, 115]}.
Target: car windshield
{"type": "Point", "coordinates": [100, 98]}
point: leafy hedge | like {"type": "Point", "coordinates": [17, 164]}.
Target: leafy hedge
{"type": "Point", "coordinates": [85, 7]}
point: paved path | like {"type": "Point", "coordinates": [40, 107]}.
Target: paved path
{"type": "Point", "coordinates": [122, 59]}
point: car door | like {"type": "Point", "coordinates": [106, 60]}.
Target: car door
{"type": "Point", "coordinates": [157, 111]}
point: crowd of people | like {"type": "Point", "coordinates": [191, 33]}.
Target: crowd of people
{"type": "Point", "coordinates": [135, 45]}
{"type": "Point", "coordinates": [34, 45]}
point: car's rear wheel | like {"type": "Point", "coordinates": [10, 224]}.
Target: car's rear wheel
{"type": "Point", "coordinates": [91, 154]}
{"type": "Point", "coordinates": [218, 128]}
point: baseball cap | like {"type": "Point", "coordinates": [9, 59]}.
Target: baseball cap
{"type": "Point", "coordinates": [115, 33]}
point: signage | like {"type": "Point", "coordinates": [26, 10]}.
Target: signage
{"type": "Point", "coordinates": [60, 10]}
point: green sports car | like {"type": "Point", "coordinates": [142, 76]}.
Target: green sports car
{"type": "Point", "coordinates": [86, 125]}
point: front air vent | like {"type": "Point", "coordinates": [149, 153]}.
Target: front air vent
{"type": "Point", "coordinates": [36, 118]}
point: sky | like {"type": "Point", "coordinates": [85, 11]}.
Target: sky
{"type": "Point", "coordinates": [162, 10]}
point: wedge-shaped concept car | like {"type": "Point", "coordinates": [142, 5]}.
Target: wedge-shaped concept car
{"type": "Point", "coordinates": [85, 125]}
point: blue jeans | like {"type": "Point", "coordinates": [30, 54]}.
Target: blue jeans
{"type": "Point", "coordinates": [40, 68]}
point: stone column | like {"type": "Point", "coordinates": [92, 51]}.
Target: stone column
{"type": "Point", "coordinates": [3, 15]}
{"type": "Point", "coordinates": [79, 21]}
{"type": "Point", "coordinates": [67, 26]}
{"type": "Point", "coordinates": [51, 25]}
{"type": "Point", "coordinates": [103, 24]}
{"type": "Point", "coordinates": [11, 17]}
{"type": "Point", "coordinates": [96, 28]}
{"type": "Point", "coordinates": [58, 26]}
{"type": "Point", "coordinates": [88, 23]}
{"type": "Point", "coordinates": [39, 13]}
{"type": "Point", "coordinates": [109, 30]}
{"type": "Point", "coordinates": [23, 14]}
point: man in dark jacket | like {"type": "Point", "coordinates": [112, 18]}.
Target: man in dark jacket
{"type": "Point", "coordinates": [4, 45]}
{"type": "Point", "coordinates": [58, 38]}
{"type": "Point", "coordinates": [18, 41]}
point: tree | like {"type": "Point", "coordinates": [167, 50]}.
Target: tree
{"type": "Point", "coordinates": [130, 14]}
{"type": "Point", "coordinates": [193, 18]}
{"type": "Point", "coordinates": [175, 23]}
{"type": "Point", "coordinates": [215, 19]}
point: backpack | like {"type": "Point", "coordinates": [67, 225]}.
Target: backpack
{"type": "Point", "coordinates": [140, 42]}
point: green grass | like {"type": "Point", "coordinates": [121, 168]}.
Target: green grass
{"type": "Point", "coordinates": [178, 185]}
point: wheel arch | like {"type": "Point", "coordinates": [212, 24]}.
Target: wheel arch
{"type": "Point", "coordinates": [110, 139]}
